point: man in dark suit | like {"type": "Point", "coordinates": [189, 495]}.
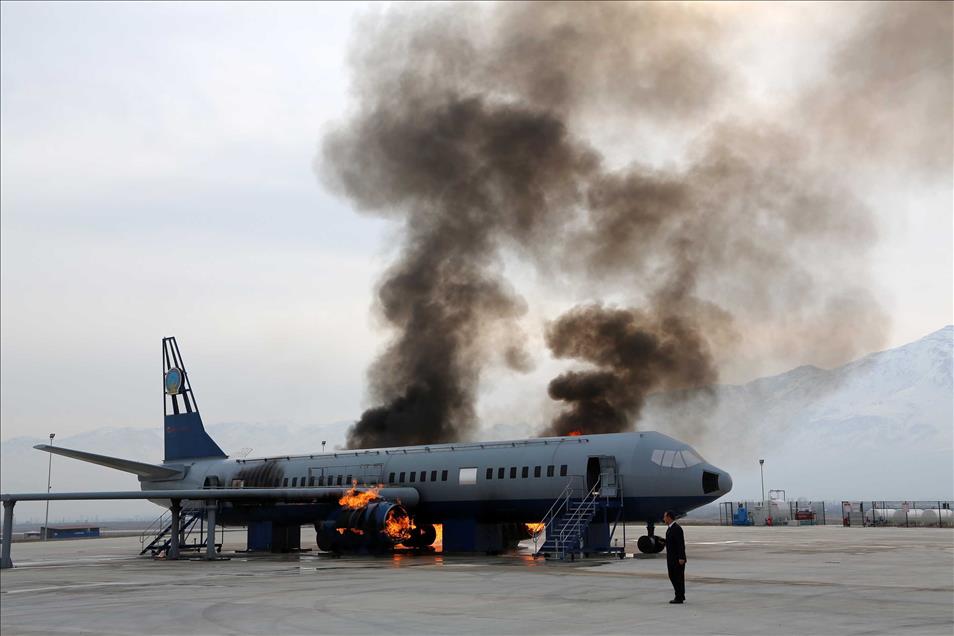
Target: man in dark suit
{"type": "Point", "coordinates": [675, 556]}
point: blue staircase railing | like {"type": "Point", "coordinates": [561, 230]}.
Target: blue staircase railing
{"type": "Point", "coordinates": [569, 520]}
{"type": "Point", "coordinates": [566, 525]}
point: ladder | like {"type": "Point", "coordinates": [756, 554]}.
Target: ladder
{"type": "Point", "coordinates": [567, 521]}
{"type": "Point", "coordinates": [159, 532]}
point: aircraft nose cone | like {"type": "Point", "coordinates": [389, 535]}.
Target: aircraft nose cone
{"type": "Point", "coordinates": [725, 481]}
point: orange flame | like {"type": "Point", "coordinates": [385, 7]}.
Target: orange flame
{"type": "Point", "coordinates": [351, 530]}
{"type": "Point", "coordinates": [575, 433]}
{"type": "Point", "coordinates": [397, 527]}
{"type": "Point", "coordinates": [534, 528]}
{"type": "Point", "coordinates": [354, 499]}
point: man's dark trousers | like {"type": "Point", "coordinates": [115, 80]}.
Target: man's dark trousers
{"type": "Point", "coordinates": [676, 550]}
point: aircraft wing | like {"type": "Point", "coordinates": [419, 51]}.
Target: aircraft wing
{"type": "Point", "coordinates": [143, 470]}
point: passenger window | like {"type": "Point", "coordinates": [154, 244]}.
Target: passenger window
{"type": "Point", "coordinates": [311, 482]}
{"type": "Point", "coordinates": [536, 471]}
{"type": "Point", "coordinates": [285, 483]}
{"type": "Point", "coordinates": [402, 478]}
{"type": "Point", "coordinates": [321, 480]}
{"type": "Point", "coordinates": [500, 473]}
{"type": "Point", "coordinates": [443, 475]}
{"type": "Point", "coordinates": [563, 470]}
{"type": "Point", "coordinates": [525, 472]}
{"type": "Point", "coordinates": [423, 475]}
{"type": "Point", "coordinates": [433, 475]}
{"type": "Point", "coordinates": [513, 472]}
{"type": "Point", "coordinates": [490, 473]}
{"type": "Point", "coordinates": [348, 481]}
{"type": "Point", "coordinates": [277, 483]}
{"type": "Point", "coordinates": [550, 470]}
{"type": "Point", "coordinates": [339, 480]}
{"type": "Point", "coordinates": [302, 482]}
{"type": "Point", "coordinates": [467, 476]}
{"type": "Point", "coordinates": [413, 475]}
{"type": "Point", "coordinates": [391, 478]}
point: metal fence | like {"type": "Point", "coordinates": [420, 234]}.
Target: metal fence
{"type": "Point", "coordinates": [773, 512]}
{"type": "Point", "coordinates": [905, 514]}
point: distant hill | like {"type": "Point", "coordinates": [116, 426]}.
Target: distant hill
{"type": "Point", "coordinates": [879, 427]}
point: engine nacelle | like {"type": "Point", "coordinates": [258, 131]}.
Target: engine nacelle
{"type": "Point", "coordinates": [377, 527]}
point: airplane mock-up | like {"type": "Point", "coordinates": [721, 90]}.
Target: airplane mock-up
{"type": "Point", "coordinates": [481, 495]}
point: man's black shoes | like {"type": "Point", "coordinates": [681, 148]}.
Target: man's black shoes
{"type": "Point", "coordinates": [675, 601]}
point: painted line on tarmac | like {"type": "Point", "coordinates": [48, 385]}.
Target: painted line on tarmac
{"type": "Point", "coordinates": [55, 588]}
{"type": "Point", "coordinates": [715, 542]}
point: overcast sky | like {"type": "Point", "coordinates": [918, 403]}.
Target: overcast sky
{"type": "Point", "coordinates": [157, 179]}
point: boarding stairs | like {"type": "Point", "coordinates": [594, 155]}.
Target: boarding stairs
{"type": "Point", "coordinates": [155, 539]}
{"type": "Point", "coordinates": [569, 518]}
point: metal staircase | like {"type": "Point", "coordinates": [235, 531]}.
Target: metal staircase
{"type": "Point", "coordinates": [569, 518]}
{"type": "Point", "coordinates": [159, 533]}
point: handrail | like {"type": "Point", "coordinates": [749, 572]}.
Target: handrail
{"type": "Point", "coordinates": [159, 525]}
{"type": "Point", "coordinates": [562, 499]}
{"type": "Point", "coordinates": [575, 515]}
{"type": "Point", "coordinates": [154, 528]}
{"type": "Point", "coordinates": [576, 518]}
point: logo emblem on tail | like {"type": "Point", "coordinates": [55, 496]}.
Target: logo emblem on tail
{"type": "Point", "coordinates": [173, 381]}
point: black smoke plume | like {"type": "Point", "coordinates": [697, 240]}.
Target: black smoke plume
{"type": "Point", "coordinates": [470, 129]}
{"type": "Point", "coordinates": [634, 354]}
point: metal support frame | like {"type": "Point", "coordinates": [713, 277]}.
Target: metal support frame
{"type": "Point", "coordinates": [5, 560]}
{"type": "Point", "coordinates": [210, 509]}
{"type": "Point", "coordinates": [175, 530]}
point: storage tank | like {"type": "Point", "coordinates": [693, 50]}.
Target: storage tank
{"type": "Point", "coordinates": [879, 516]}
{"type": "Point", "coordinates": [914, 516]}
{"type": "Point", "coordinates": [931, 515]}
{"type": "Point", "coordinates": [779, 510]}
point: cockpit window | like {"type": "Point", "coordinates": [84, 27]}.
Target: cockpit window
{"type": "Point", "coordinates": [667, 458]}
{"type": "Point", "coordinates": [675, 459]}
{"type": "Point", "coordinates": [691, 458]}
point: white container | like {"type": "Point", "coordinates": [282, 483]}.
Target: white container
{"type": "Point", "coordinates": [931, 516]}
{"type": "Point", "coordinates": [779, 510]}
{"type": "Point", "coordinates": [880, 516]}
{"type": "Point", "coordinates": [913, 517]}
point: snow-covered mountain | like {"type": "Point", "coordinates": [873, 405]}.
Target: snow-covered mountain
{"type": "Point", "coordinates": [879, 427]}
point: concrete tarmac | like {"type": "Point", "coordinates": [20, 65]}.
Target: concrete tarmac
{"type": "Point", "coordinates": [807, 580]}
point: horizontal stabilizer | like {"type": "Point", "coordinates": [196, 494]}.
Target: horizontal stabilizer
{"type": "Point", "coordinates": [145, 471]}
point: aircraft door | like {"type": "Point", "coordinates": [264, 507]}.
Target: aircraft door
{"type": "Point", "coordinates": [603, 467]}
{"type": "Point", "coordinates": [610, 479]}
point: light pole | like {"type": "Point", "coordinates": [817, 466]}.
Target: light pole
{"type": "Point", "coordinates": [49, 477]}
{"type": "Point", "coordinates": [762, 474]}
{"type": "Point", "coordinates": [323, 446]}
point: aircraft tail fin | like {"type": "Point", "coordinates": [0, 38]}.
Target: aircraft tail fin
{"type": "Point", "coordinates": [185, 436]}
{"type": "Point", "coordinates": [144, 471]}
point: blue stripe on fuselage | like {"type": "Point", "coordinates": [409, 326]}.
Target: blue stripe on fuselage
{"type": "Point", "coordinates": [488, 511]}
